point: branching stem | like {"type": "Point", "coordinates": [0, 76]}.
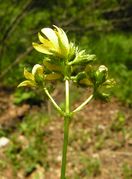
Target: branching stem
{"type": "Point", "coordinates": [67, 118]}
{"type": "Point", "coordinates": [83, 104]}
{"type": "Point", "coordinates": [53, 102]}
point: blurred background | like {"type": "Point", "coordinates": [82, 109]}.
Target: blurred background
{"type": "Point", "coordinates": [104, 28]}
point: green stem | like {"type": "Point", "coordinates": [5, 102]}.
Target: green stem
{"type": "Point", "coordinates": [83, 104]}
{"type": "Point", "coordinates": [65, 144]}
{"type": "Point", "coordinates": [53, 102]}
{"type": "Point", "coordinates": [66, 130]}
{"type": "Point", "coordinates": [67, 109]}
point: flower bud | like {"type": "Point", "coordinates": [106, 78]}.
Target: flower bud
{"type": "Point", "coordinates": [101, 74]}
{"type": "Point", "coordinates": [37, 72]}
{"type": "Point", "coordinates": [109, 83]}
{"type": "Point", "coordinates": [82, 79]}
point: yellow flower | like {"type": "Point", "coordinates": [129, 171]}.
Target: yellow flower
{"type": "Point", "coordinates": [30, 81]}
{"type": "Point", "coordinates": [54, 42]}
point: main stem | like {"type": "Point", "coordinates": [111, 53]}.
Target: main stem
{"type": "Point", "coordinates": [66, 130]}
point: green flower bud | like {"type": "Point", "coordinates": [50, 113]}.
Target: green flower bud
{"type": "Point", "coordinates": [37, 72]}
{"type": "Point", "coordinates": [82, 79]}
{"type": "Point", "coordinates": [109, 83]}
{"type": "Point", "coordinates": [101, 74]}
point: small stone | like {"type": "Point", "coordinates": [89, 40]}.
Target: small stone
{"type": "Point", "coordinates": [95, 155]}
{"type": "Point", "coordinates": [101, 127]}
{"type": "Point", "coordinates": [3, 141]}
{"type": "Point", "coordinates": [58, 158]}
{"type": "Point", "coordinates": [130, 142]}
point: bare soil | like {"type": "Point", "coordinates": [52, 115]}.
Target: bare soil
{"type": "Point", "coordinates": [91, 136]}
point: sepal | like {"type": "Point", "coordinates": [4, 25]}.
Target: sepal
{"type": "Point", "coordinates": [53, 76]}
{"type": "Point", "coordinates": [52, 67]}
{"type": "Point", "coordinates": [82, 58]}
{"type": "Point", "coordinates": [102, 96]}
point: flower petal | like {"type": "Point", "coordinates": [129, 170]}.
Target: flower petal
{"type": "Point", "coordinates": [37, 69]}
{"type": "Point", "coordinates": [51, 35]}
{"type": "Point", "coordinates": [42, 48]}
{"type": "Point", "coordinates": [44, 41]}
{"type": "Point", "coordinates": [28, 75]}
{"type": "Point", "coordinates": [62, 38]}
{"type": "Point", "coordinates": [27, 83]}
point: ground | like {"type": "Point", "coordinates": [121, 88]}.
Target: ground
{"type": "Point", "coordinates": [100, 140]}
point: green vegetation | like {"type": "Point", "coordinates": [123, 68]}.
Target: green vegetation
{"type": "Point", "coordinates": [30, 149]}
{"type": "Point", "coordinates": [118, 124]}
{"type": "Point", "coordinates": [91, 167]}
{"type": "Point", "coordinates": [127, 171]}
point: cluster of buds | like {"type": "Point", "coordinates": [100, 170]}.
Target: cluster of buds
{"type": "Point", "coordinates": [93, 77]}
{"type": "Point", "coordinates": [61, 58]}
{"type": "Point", "coordinates": [96, 78]}
{"type": "Point", "coordinates": [38, 77]}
